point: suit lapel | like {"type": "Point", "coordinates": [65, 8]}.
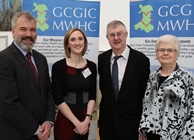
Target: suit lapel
{"type": "Point", "coordinates": [128, 69]}
{"type": "Point", "coordinates": [38, 66]}
{"type": "Point", "coordinates": [108, 65]}
{"type": "Point", "coordinates": [21, 59]}
{"type": "Point", "coordinates": [108, 70]}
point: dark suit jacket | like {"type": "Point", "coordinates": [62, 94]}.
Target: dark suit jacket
{"type": "Point", "coordinates": [125, 113]}
{"type": "Point", "coordinates": [24, 105]}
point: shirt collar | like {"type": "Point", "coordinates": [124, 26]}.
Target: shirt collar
{"type": "Point", "coordinates": [125, 53]}
{"type": "Point", "coordinates": [23, 52]}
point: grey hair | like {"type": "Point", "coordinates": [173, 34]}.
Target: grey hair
{"type": "Point", "coordinates": [25, 14]}
{"type": "Point", "coordinates": [114, 24]}
{"type": "Point", "coordinates": [168, 39]}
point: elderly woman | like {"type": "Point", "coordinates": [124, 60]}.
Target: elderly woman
{"type": "Point", "coordinates": [168, 105]}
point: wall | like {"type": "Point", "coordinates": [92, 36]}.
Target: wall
{"type": "Point", "coordinates": [9, 34]}
{"type": "Point", "coordinates": [111, 10]}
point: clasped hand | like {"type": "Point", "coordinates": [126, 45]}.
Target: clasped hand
{"type": "Point", "coordinates": [81, 128]}
{"type": "Point", "coordinates": [44, 132]}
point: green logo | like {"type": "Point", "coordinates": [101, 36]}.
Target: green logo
{"type": "Point", "coordinates": [145, 22]}
{"type": "Point", "coordinates": [41, 16]}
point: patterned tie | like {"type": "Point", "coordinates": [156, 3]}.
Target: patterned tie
{"type": "Point", "coordinates": [115, 76]}
{"type": "Point", "coordinates": [28, 55]}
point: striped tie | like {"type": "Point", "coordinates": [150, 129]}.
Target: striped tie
{"type": "Point", "coordinates": [28, 55]}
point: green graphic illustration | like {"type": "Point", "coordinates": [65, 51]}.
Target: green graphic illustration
{"type": "Point", "coordinates": [41, 16]}
{"type": "Point", "coordinates": [145, 22]}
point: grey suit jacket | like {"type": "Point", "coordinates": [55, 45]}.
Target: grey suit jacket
{"type": "Point", "coordinates": [24, 105]}
{"type": "Point", "coordinates": [123, 114]}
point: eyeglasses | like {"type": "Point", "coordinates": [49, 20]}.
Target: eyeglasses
{"type": "Point", "coordinates": [162, 50]}
{"type": "Point", "coordinates": [112, 35]}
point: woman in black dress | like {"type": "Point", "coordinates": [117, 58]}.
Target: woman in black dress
{"type": "Point", "coordinates": [74, 88]}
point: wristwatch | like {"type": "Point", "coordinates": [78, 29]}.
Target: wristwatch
{"type": "Point", "coordinates": [89, 115]}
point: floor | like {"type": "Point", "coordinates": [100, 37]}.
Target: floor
{"type": "Point", "coordinates": [51, 137]}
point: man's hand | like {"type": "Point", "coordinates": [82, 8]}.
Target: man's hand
{"type": "Point", "coordinates": [45, 130]}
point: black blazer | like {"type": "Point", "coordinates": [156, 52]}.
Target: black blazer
{"type": "Point", "coordinates": [125, 113]}
{"type": "Point", "coordinates": [24, 105]}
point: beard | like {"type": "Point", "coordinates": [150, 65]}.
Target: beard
{"type": "Point", "coordinates": [21, 42]}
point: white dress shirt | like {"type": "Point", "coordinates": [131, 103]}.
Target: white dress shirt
{"type": "Point", "coordinates": [122, 63]}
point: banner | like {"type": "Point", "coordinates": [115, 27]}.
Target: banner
{"type": "Point", "coordinates": [154, 18]}
{"type": "Point", "coordinates": [55, 18]}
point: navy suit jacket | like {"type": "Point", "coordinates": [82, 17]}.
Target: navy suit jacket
{"type": "Point", "coordinates": [125, 113]}
{"type": "Point", "coordinates": [24, 105]}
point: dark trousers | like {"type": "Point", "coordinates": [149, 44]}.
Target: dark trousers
{"type": "Point", "coordinates": [151, 136]}
{"type": "Point", "coordinates": [115, 136]}
{"type": "Point", "coordinates": [108, 137]}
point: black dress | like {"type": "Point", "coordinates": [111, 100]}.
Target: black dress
{"type": "Point", "coordinates": [70, 86]}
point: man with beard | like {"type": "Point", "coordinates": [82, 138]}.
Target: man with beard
{"type": "Point", "coordinates": [26, 105]}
